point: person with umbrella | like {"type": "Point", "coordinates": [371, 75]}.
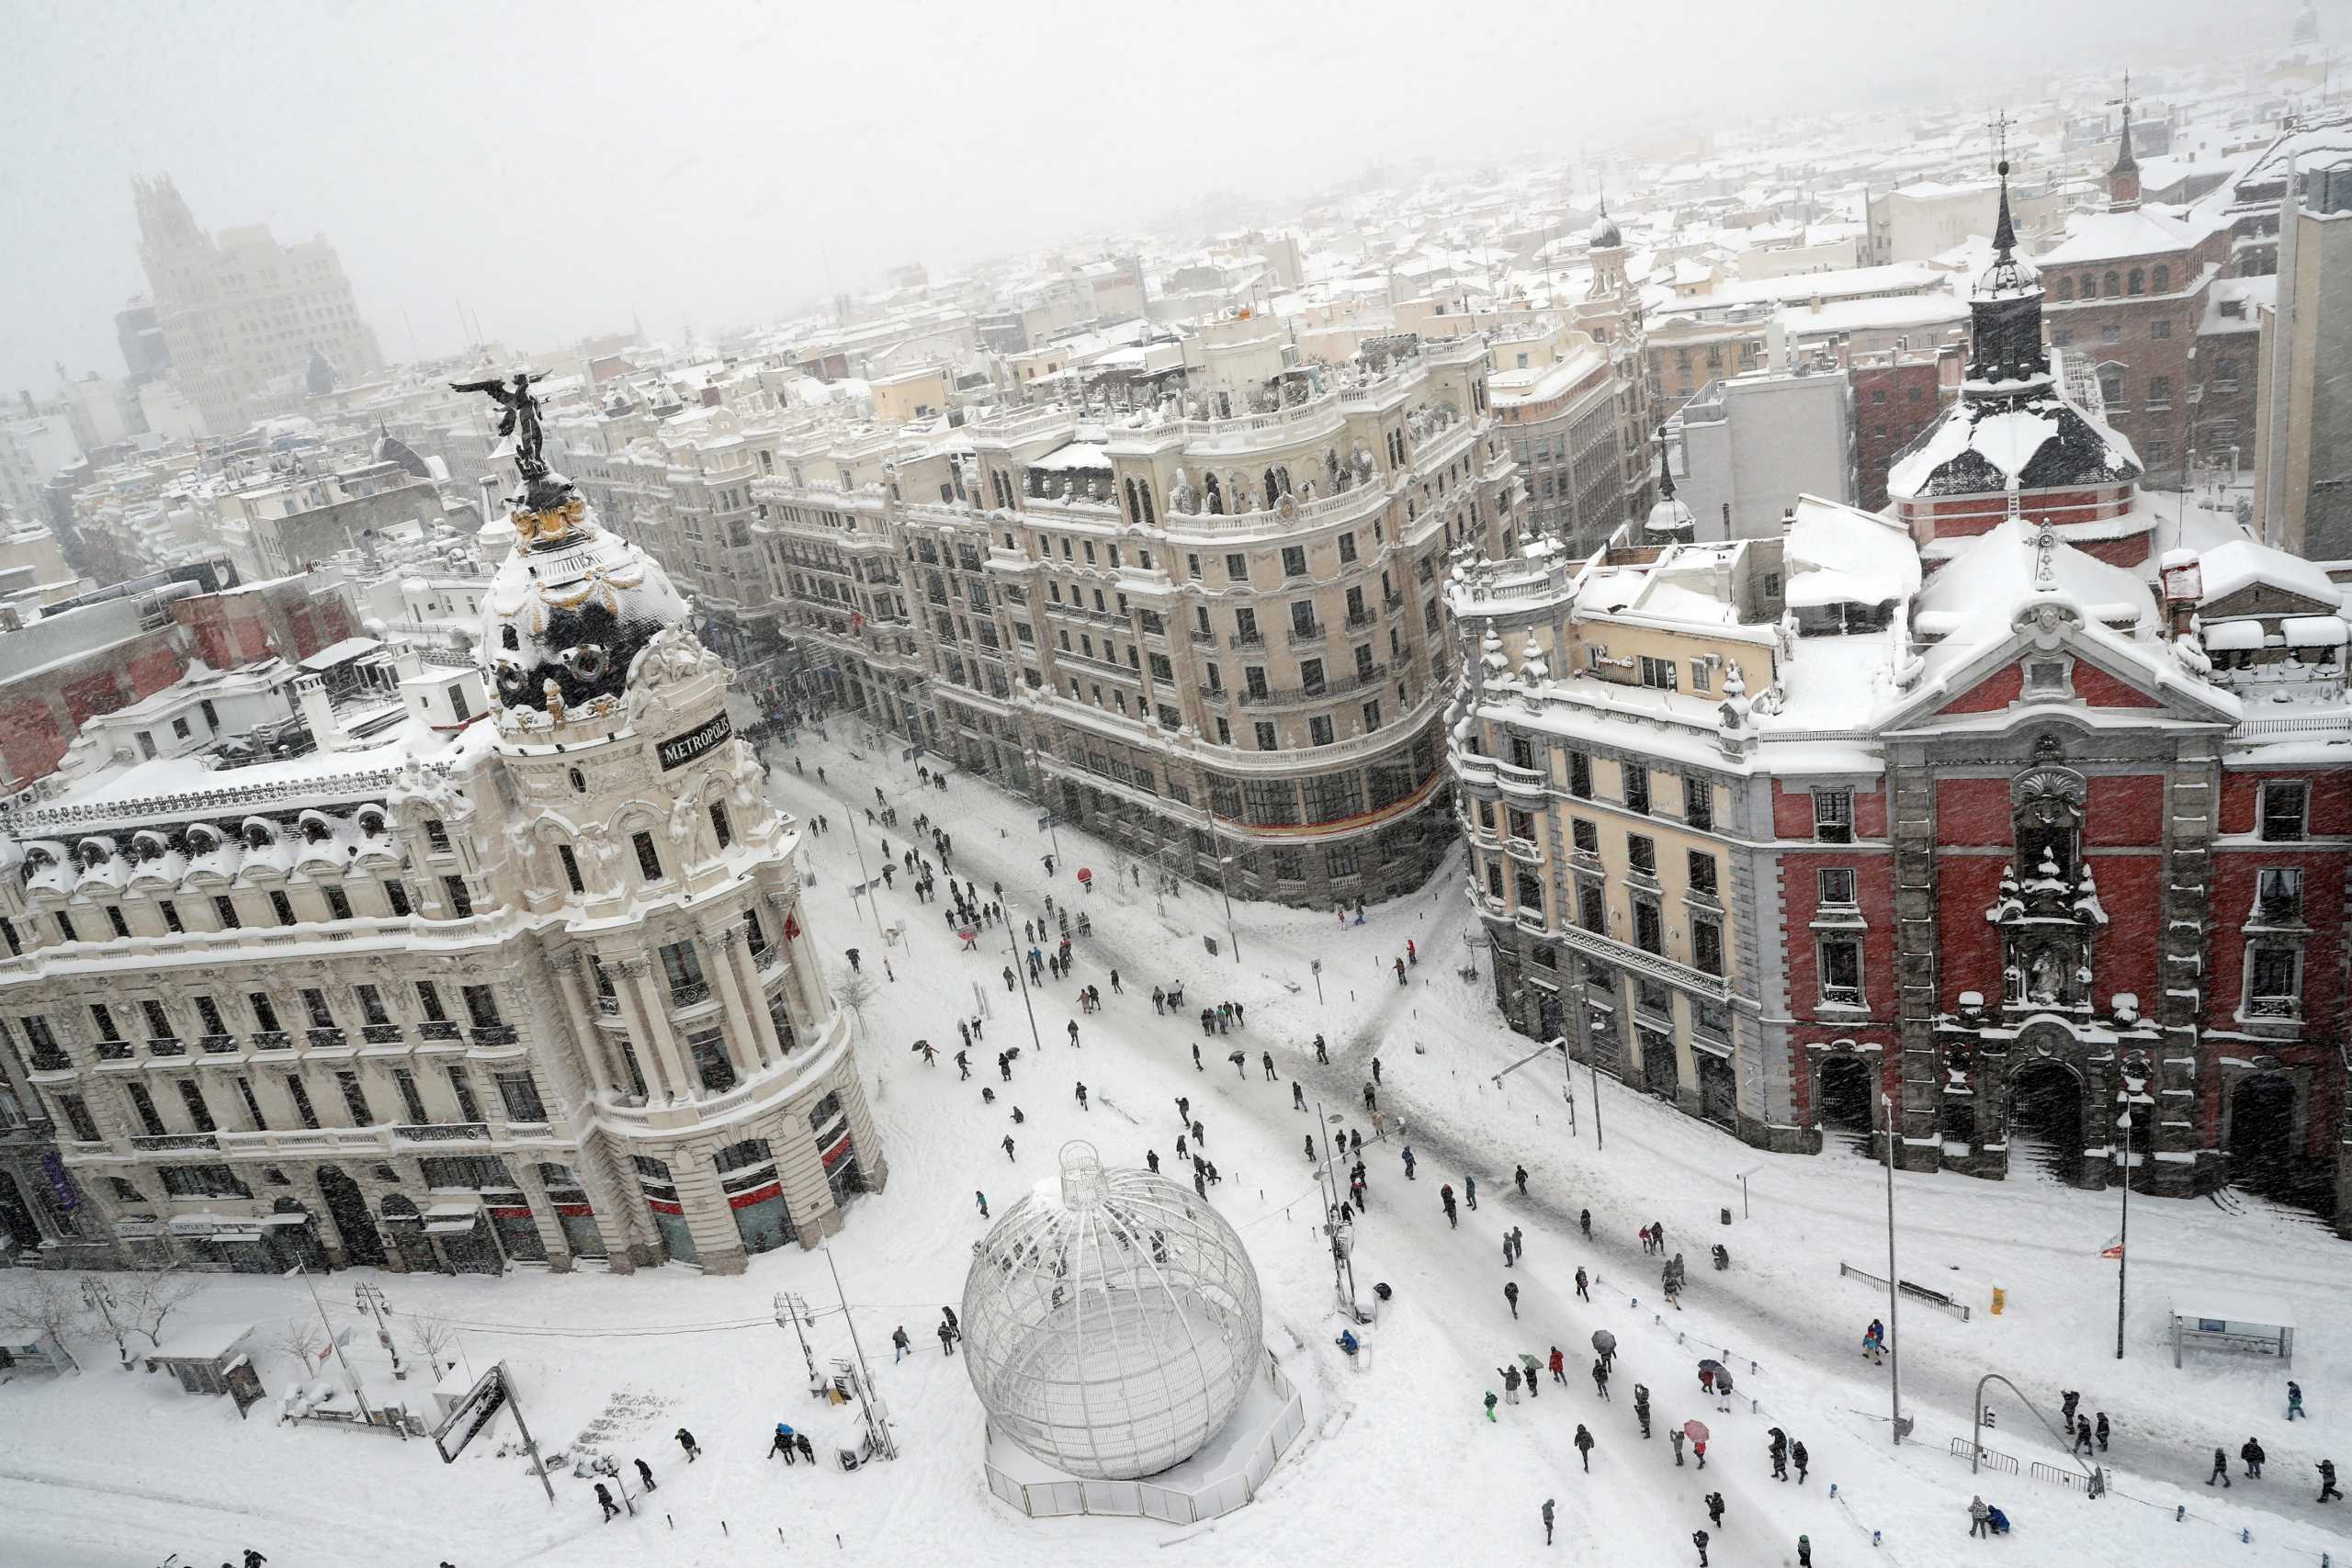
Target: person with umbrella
{"type": "Point", "coordinates": [1606, 1343]}
{"type": "Point", "coordinates": [1723, 1390]}
{"type": "Point", "coordinates": [1697, 1432]}
{"type": "Point", "coordinates": [1534, 1369]}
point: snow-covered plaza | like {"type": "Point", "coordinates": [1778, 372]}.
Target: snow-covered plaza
{"type": "Point", "coordinates": [1399, 1460]}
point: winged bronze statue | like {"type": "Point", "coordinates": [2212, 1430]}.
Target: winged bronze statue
{"type": "Point", "coordinates": [520, 420]}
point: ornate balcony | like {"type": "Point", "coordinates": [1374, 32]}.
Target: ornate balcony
{"type": "Point", "coordinates": [495, 1034]}
{"type": "Point", "coordinates": [273, 1040]}
{"type": "Point", "coordinates": [445, 1133]}
{"type": "Point", "coordinates": [112, 1050]}
{"type": "Point", "coordinates": [693, 994]}
{"type": "Point", "coordinates": [216, 1044]}
{"type": "Point", "coordinates": [175, 1141]}
{"type": "Point", "coordinates": [165, 1045]}
{"type": "Point", "coordinates": [326, 1039]}
{"type": "Point", "coordinates": [382, 1033]}
{"type": "Point", "coordinates": [436, 1029]}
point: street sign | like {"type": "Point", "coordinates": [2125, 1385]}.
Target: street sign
{"type": "Point", "coordinates": [471, 1415]}
{"type": "Point", "coordinates": [1209, 942]}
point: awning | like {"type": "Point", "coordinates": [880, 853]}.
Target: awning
{"type": "Point", "coordinates": [2314, 631]}
{"type": "Point", "coordinates": [451, 1228]}
{"type": "Point", "coordinates": [137, 1230]}
{"type": "Point", "coordinates": [454, 1210]}
{"type": "Point", "coordinates": [241, 1233]}
{"type": "Point", "coordinates": [287, 1219]}
{"type": "Point", "coordinates": [204, 1225]}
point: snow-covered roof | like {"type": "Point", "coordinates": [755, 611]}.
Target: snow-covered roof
{"type": "Point", "coordinates": [2111, 236]}
{"type": "Point", "coordinates": [1983, 443]}
{"type": "Point", "coordinates": [2236, 1306]}
{"type": "Point", "coordinates": [2240, 564]}
{"type": "Point", "coordinates": [1837, 554]}
{"type": "Point", "coordinates": [1076, 454]}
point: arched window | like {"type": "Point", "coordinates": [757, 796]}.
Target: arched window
{"type": "Point", "coordinates": [2065, 289]}
{"type": "Point", "coordinates": [1135, 508]}
{"type": "Point", "coordinates": [2164, 280]}
{"type": "Point", "coordinates": [2090, 286]}
{"type": "Point", "coordinates": [2110, 385]}
{"type": "Point", "coordinates": [1281, 478]}
{"type": "Point", "coordinates": [1216, 494]}
{"type": "Point", "coordinates": [2138, 284]}
{"type": "Point", "coordinates": [1150, 520]}
{"type": "Point", "coordinates": [1271, 492]}
{"type": "Point", "coordinates": [2114, 283]}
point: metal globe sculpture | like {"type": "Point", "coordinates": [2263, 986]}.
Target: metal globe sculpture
{"type": "Point", "coordinates": [1111, 1323]}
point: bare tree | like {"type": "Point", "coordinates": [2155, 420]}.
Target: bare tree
{"type": "Point", "coordinates": [856, 990]}
{"type": "Point", "coordinates": [434, 1335]}
{"type": "Point", "coordinates": [302, 1340]}
{"type": "Point", "coordinates": [152, 1298]}
{"type": "Point", "coordinates": [43, 1306]}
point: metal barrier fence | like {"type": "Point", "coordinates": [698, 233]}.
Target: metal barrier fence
{"type": "Point", "coordinates": [1991, 1459]}
{"type": "Point", "coordinates": [2051, 1473]}
{"type": "Point", "coordinates": [1917, 1293]}
{"type": "Point", "coordinates": [1146, 1499]}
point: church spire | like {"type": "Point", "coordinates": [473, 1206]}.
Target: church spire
{"type": "Point", "coordinates": [2004, 312]}
{"type": "Point", "coordinates": [1665, 471]}
{"type": "Point", "coordinates": [2124, 177]}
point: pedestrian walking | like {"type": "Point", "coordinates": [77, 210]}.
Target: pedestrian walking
{"type": "Point", "coordinates": [1408, 1162]}
{"type": "Point", "coordinates": [964, 1060]}
{"type": "Point", "coordinates": [1804, 1551]}
{"type": "Point", "coordinates": [1674, 1436]}
{"type": "Point", "coordinates": [1510, 1294]}
{"type": "Point", "coordinates": [1470, 1190]}
{"type": "Point", "coordinates": [982, 1200]}
{"type": "Point", "coordinates": [1322, 1050]}
{"type": "Point", "coordinates": [1642, 1408]}
{"type": "Point", "coordinates": [782, 1442]}
{"type": "Point", "coordinates": [2220, 1468]}
{"type": "Point", "coordinates": [1980, 1519]}
{"type": "Point", "coordinates": [1196, 1060]}
{"type": "Point", "coordinates": [1548, 1521]}
{"type": "Point", "coordinates": [947, 1338]}
{"type": "Point", "coordinates": [2294, 1401]}
{"type": "Point", "coordinates": [1699, 1540]}
{"type": "Point", "coordinates": [1797, 1457]}
{"type": "Point", "coordinates": [2327, 1491]}
{"type": "Point", "coordinates": [1159, 1000]}
{"type": "Point", "coordinates": [1584, 1219]}
{"type": "Point", "coordinates": [645, 1475]}
{"type": "Point", "coordinates": [686, 1441]}
{"type": "Point", "coordinates": [899, 1340]}
{"type": "Point", "coordinates": [2102, 1430]}
{"type": "Point", "coordinates": [1445, 1200]}
{"type": "Point", "coordinates": [1082, 1099]}
{"type": "Point", "coordinates": [2068, 1400]}
{"type": "Point", "coordinates": [1508, 1254]}
{"type": "Point", "coordinates": [1519, 1176]}
{"type": "Point", "coordinates": [1266, 1058]}
{"type": "Point", "coordinates": [605, 1501]}
{"type": "Point", "coordinates": [1491, 1404]}
{"type": "Point", "coordinates": [1008, 1148]}
{"type": "Point", "coordinates": [2253, 1456]}
{"type": "Point", "coordinates": [1559, 1367]}
{"type": "Point", "coordinates": [1582, 1294]}
{"type": "Point", "coordinates": [1151, 1158]}
{"type": "Point", "coordinates": [2082, 1434]}
{"type": "Point", "coordinates": [1601, 1377]}
{"type": "Point", "coordinates": [1584, 1447]}
{"type": "Point", "coordinates": [1779, 1449]}
{"type": "Point", "coordinates": [1510, 1383]}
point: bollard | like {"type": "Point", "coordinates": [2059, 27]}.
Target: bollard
{"type": "Point", "coordinates": [2180, 1514]}
{"type": "Point", "coordinates": [1832, 1489]}
{"type": "Point", "coordinates": [1754, 1408]}
{"type": "Point", "coordinates": [1726, 1213]}
{"type": "Point", "coordinates": [2245, 1538]}
{"type": "Point", "coordinates": [670, 1522]}
{"type": "Point", "coordinates": [1751, 1369]}
{"type": "Point", "coordinates": [1874, 1538]}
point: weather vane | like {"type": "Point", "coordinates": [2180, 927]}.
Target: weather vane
{"type": "Point", "coordinates": [521, 420]}
{"type": "Point", "coordinates": [1999, 126]}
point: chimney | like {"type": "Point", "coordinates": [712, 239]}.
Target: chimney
{"type": "Point", "coordinates": [310, 695]}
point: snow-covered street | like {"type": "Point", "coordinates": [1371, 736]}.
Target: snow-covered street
{"type": "Point", "coordinates": [1399, 1461]}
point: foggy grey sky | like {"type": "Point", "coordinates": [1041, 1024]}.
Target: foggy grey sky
{"type": "Point", "coordinates": [559, 165]}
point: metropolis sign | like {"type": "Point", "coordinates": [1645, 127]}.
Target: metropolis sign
{"type": "Point", "coordinates": [680, 750]}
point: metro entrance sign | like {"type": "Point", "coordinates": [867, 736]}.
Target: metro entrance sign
{"type": "Point", "coordinates": [480, 1406]}
{"type": "Point", "coordinates": [471, 1415]}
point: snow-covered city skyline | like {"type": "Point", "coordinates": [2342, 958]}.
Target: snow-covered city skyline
{"type": "Point", "coordinates": [1287, 837]}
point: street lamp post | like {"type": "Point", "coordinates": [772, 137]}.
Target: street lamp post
{"type": "Point", "coordinates": [1223, 861]}
{"type": "Point", "coordinates": [2123, 1236]}
{"type": "Point", "coordinates": [1020, 970]}
{"type": "Point", "coordinates": [871, 906]}
{"type": "Point", "coordinates": [1893, 1339]}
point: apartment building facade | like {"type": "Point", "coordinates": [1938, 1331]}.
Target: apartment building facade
{"type": "Point", "coordinates": [1210, 629]}
{"type": "Point", "coordinates": [519, 979]}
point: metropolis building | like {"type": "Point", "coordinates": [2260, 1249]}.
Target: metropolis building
{"type": "Point", "coordinates": [508, 971]}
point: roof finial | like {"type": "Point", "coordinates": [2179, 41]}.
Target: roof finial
{"type": "Point", "coordinates": [1664, 469]}
{"type": "Point", "coordinates": [2004, 233]}
{"type": "Point", "coordinates": [2123, 178]}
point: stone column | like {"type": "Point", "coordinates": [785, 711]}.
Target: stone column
{"type": "Point", "coordinates": [543, 1215]}
{"type": "Point", "coordinates": [646, 1016]}
{"type": "Point", "coordinates": [747, 974]}
{"type": "Point", "coordinates": [744, 1043]}
{"type": "Point", "coordinates": [585, 1028]}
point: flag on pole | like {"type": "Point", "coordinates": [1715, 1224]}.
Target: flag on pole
{"type": "Point", "coordinates": [2113, 1248]}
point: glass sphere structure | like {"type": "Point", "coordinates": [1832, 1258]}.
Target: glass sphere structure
{"type": "Point", "coordinates": [1112, 1323]}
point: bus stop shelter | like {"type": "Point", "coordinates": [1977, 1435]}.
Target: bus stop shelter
{"type": "Point", "coordinates": [2213, 1320]}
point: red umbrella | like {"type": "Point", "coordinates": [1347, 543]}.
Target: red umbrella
{"type": "Point", "coordinates": [1695, 1430]}
{"type": "Point", "coordinates": [1084, 874]}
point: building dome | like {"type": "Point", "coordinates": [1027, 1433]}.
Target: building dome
{"type": "Point", "coordinates": [1112, 1321]}
{"type": "Point", "coordinates": [568, 611]}
{"type": "Point", "coordinates": [1604, 235]}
